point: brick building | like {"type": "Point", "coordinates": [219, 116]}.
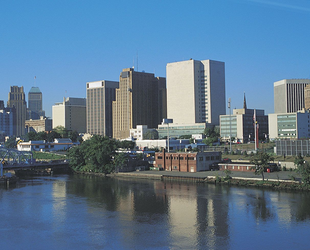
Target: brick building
{"type": "Point", "coordinates": [187, 161]}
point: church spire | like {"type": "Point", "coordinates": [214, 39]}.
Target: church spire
{"type": "Point", "coordinates": [244, 102]}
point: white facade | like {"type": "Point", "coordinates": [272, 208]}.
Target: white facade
{"type": "Point", "coordinates": [289, 125]}
{"type": "Point", "coordinates": [138, 132]}
{"type": "Point", "coordinates": [173, 144]}
{"type": "Point", "coordinates": [289, 95]}
{"type": "Point", "coordinates": [196, 91]}
{"type": "Point", "coordinates": [71, 114]}
{"type": "Point", "coordinates": [57, 145]}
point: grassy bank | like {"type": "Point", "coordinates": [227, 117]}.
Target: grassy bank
{"type": "Point", "coordinates": [48, 156]}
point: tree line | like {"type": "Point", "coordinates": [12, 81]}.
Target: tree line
{"type": "Point", "coordinates": [98, 155]}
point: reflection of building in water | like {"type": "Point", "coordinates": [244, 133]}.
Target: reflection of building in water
{"type": "Point", "coordinates": [197, 216]}
{"type": "Point", "coordinates": [59, 194]}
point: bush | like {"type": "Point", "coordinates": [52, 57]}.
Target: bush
{"type": "Point", "coordinates": [284, 168]}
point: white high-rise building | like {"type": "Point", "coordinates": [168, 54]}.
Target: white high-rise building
{"type": "Point", "coordinates": [289, 95]}
{"type": "Point", "coordinates": [196, 91]}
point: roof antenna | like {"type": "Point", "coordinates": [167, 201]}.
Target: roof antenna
{"type": "Point", "coordinates": [35, 78]}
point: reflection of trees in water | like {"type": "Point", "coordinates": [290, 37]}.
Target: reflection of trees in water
{"type": "Point", "coordinates": [303, 207]}
{"type": "Point", "coordinates": [98, 189]}
{"type": "Point", "coordinates": [261, 208]}
{"type": "Point", "coordinates": [110, 191]}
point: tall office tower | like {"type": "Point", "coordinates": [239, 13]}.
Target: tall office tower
{"type": "Point", "coordinates": [7, 121]}
{"type": "Point", "coordinates": [71, 114]}
{"type": "Point", "coordinates": [196, 91]}
{"type": "Point", "coordinates": [140, 100]}
{"type": "Point", "coordinates": [35, 104]}
{"type": "Point", "coordinates": [17, 100]}
{"type": "Point", "coordinates": [289, 95]}
{"type": "Point", "coordinates": [100, 95]}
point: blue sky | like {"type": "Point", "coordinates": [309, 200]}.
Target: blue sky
{"type": "Point", "coordinates": [68, 43]}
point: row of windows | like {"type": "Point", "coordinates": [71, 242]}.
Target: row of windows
{"type": "Point", "coordinates": [208, 158]}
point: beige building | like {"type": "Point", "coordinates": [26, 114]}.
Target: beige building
{"type": "Point", "coordinates": [71, 114]}
{"type": "Point", "coordinates": [289, 95]}
{"type": "Point", "coordinates": [100, 95]}
{"type": "Point", "coordinates": [140, 100]}
{"type": "Point", "coordinates": [17, 100]}
{"type": "Point", "coordinates": [307, 97]}
{"type": "Point", "coordinates": [196, 91]}
{"type": "Point", "coordinates": [41, 125]}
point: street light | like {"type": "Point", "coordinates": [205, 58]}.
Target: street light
{"type": "Point", "coordinates": [167, 121]}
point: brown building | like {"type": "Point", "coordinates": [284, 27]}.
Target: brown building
{"type": "Point", "coordinates": [187, 162]}
{"type": "Point", "coordinates": [100, 95]}
{"type": "Point", "coordinates": [237, 166]}
{"type": "Point", "coordinates": [140, 100]}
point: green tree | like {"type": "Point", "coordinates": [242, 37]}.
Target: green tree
{"type": "Point", "coordinates": [62, 131]}
{"type": "Point", "coordinates": [52, 135]}
{"type": "Point", "coordinates": [73, 135]}
{"type": "Point", "coordinates": [95, 154]}
{"type": "Point", "coordinates": [11, 142]}
{"type": "Point", "coordinates": [120, 160]}
{"type": "Point", "coordinates": [261, 161]}
{"type": "Point", "coordinates": [151, 135]}
{"type": "Point", "coordinates": [126, 144]}
{"type": "Point", "coordinates": [303, 168]}
{"type": "Point", "coordinates": [212, 134]}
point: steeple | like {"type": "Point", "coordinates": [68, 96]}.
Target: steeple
{"type": "Point", "coordinates": [244, 102]}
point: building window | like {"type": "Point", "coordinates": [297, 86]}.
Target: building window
{"type": "Point", "coordinates": [200, 158]}
{"type": "Point", "coordinates": [159, 157]}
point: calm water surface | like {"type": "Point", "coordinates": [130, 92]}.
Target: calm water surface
{"type": "Point", "coordinates": [82, 212]}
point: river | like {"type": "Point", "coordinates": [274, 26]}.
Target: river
{"type": "Point", "coordinates": [87, 212]}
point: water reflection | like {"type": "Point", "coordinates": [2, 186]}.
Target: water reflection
{"type": "Point", "coordinates": [94, 213]}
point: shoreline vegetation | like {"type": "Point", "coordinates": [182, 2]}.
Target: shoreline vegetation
{"type": "Point", "coordinates": [293, 185]}
{"type": "Point", "coordinates": [98, 157]}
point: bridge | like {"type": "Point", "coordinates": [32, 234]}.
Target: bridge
{"type": "Point", "coordinates": [12, 159]}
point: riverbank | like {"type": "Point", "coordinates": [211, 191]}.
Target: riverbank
{"type": "Point", "coordinates": [284, 180]}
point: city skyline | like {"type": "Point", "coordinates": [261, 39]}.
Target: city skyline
{"type": "Point", "coordinates": [68, 44]}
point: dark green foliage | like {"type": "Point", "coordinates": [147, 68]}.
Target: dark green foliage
{"type": "Point", "coordinates": [10, 143]}
{"type": "Point", "coordinates": [94, 155]}
{"type": "Point", "coordinates": [261, 161]}
{"type": "Point", "coordinates": [151, 135]}
{"type": "Point", "coordinates": [303, 168]}
{"type": "Point", "coordinates": [212, 134]}
{"type": "Point", "coordinates": [126, 144]}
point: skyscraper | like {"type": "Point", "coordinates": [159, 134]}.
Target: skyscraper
{"type": "Point", "coordinates": [140, 100]}
{"type": "Point", "coordinates": [35, 104]}
{"type": "Point", "coordinates": [196, 91]}
{"type": "Point", "coordinates": [71, 114]}
{"type": "Point", "coordinates": [289, 95]}
{"type": "Point", "coordinates": [17, 100]}
{"type": "Point", "coordinates": [7, 121]}
{"type": "Point", "coordinates": [100, 95]}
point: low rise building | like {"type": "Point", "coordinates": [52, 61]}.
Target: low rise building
{"type": "Point", "coordinates": [289, 125]}
{"type": "Point", "coordinates": [58, 144]}
{"type": "Point", "coordinates": [41, 125]}
{"type": "Point", "coordinates": [142, 131]}
{"type": "Point", "coordinates": [173, 144]}
{"type": "Point", "coordinates": [187, 161]}
{"type": "Point", "coordinates": [240, 125]}
{"type": "Point", "coordinates": [176, 130]}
